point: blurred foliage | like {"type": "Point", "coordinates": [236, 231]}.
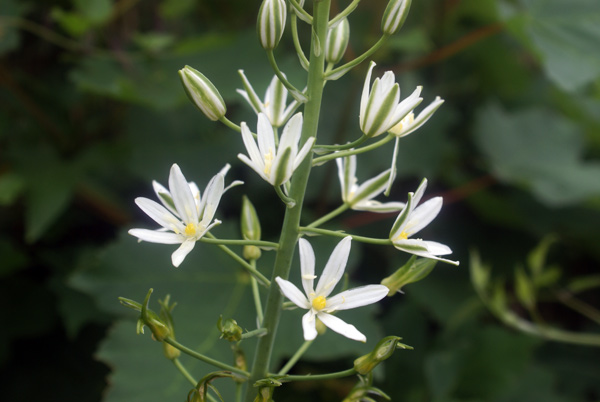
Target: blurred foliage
{"type": "Point", "coordinates": [93, 111]}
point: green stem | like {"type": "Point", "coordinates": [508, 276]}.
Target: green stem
{"type": "Point", "coordinates": [339, 72]}
{"type": "Point", "coordinates": [329, 216]}
{"type": "Point", "coordinates": [256, 296]}
{"type": "Point", "coordinates": [238, 392]}
{"type": "Point", "coordinates": [230, 124]}
{"type": "Point", "coordinates": [185, 373]}
{"type": "Point", "coordinates": [253, 271]}
{"type": "Point", "coordinates": [257, 243]}
{"type": "Point", "coordinates": [296, 94]}
{"type": "Point", "coordinates": [256, 332]}
{"type": "Point", "coordinates": [300, 12]}
{"type": "Point", "coordinates": [288, 201]}
{"type": "Point", "coordinates": [203, 358]}
{"type": "Point", "coordinates": [316, 377]}
{"type": "Point", "coordinates": [579, 306]}
{"type": "Point", "coordinates": [347, 11]}
{"type": "Point", "coordinates": [291, 222]}
{"type": "Point", "coordinates": [335, 233]}
{"type": "Point", "coordinates": [303, 60]}
{"type": "Point", "coordinates": [344, 146]}
{"type": "Point", "coordinates": [288, 366]}
{"type": "Point", "coordinates": [322, 159]}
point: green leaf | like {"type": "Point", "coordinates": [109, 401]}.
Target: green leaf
{"type": "Point", "coordinates": [565, 34]}
{"type": "Point", "coordinates": [540, 151]}
{"type": "Point", "coordinates": [11, 186]}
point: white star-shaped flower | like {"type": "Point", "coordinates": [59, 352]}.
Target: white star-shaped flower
{"type": "Point", "coordinates": [412, 219]}
{"type": "Point", "coordinates": [273, 163]}
{"type": "Point", "coordinates": [317, 300]}
{"type": "Point", "coordinates": [184, 215]}
{"type": "Point", "coordinates": [360, 198]}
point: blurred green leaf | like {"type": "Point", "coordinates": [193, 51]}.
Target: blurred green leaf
{"type": "Point", "coordinates": [566, 36]}
{"type": "Point", "coordinates": [11, 186]}
{"type": "Point", "coordinates": [538, 150]}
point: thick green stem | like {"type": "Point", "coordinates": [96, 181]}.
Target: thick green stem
{"type": "Point", "coordinates": [291, 223]}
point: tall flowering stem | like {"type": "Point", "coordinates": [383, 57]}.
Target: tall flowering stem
{"type": "Point", "coordinates": [291, 224]}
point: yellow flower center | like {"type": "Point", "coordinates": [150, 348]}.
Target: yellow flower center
{"type": "Point", "coordinates": [190, 229]}
{"type": "Point", "coordinates": [403, 124]}
{"type": "Point", "coordinates": [402, 236]}
{"type": "Point", "coordinates": [268, 162]}
{"type": "Point", "coordinates": [319, 303]}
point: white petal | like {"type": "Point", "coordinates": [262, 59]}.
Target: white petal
{"type": "Point", "coordinates": [182, 196]}
{"type": "Point", "coordinates": [291, 134]}
{"type": "Point", "coordinates": [155, 236]}
{"type": "Point", "coordinates": [372, 187]}
{"type": "Point", "coordinates": [307, 266]}
{"type": "Point", "coordinates": [335, 268]}
{"type": "Point", "coordinates": [160, 214]}
{"type": "Point", "coordinates": [160, 189]}
{"type": "Point", "coordinates": [406, 106]}
{"type": "Point", "coordinates": [290, 291]}
{"type": "Point", "coordinates": [179, 255]}
{"type": "Point", "coordinates": [419, 193]}
{"type": "Point", "coordinates": [436, 248]}
{"type": "Point", "coordinates": [423, 215]}
{"type": "Point", "coordinates": [365, 94]}
{"type": "Point", "coordinates": [265, 135]}
{"type": "Point", "coordinates": [341, 327]}
{"type": "Point", "coordinates": [212, 196]}
{"type": "Point", "coordinates": [304, 151]}
{"type": "Point", "coordinates": [252, 148]}
{"type": "Point", "coordinates": [254, 167]}
{"type": "Point", "coordinates": [309, 326]}
{"type": "Point", "coordinates": [376, 206]}
{"type": "Point", "coordinates": [357, 297]}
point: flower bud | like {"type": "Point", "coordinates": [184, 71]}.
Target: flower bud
{"type": "Point", "coordinates": [251, 253]}
{"type": "Point", "coordinates": [202, 93]}
{"type": "Point", "coordinates": [383, 350]}
{"type": "Point", "coordinates": [160, 329]}
{"type": "Point", "coordinates": [413, 271]}
{"type": "Point", "coordinates": [170, 352]}
{"type": "Point", "coordinates": [250, 224]}
{"type": "Point", "coordinates": [271, 22]}
{"type": "Point", "coordinates": [394, 16]}
{"type": "Point", "coordinates": [337, 41]}
{"type": "Point", "coordinates": [230, 331]}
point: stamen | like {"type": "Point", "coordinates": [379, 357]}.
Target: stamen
{"type": "Point", "coordinates": [190, 229]}
{"type": "Point", "coordinates": [268, 161]}
{"type": "Point", "coordinates": [319, 303]}
{"type": "Point", "coordinates": [402, 236]}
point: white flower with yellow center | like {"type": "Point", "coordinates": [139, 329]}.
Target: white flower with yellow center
{"type": "Point", "coordinates": [184, 215]}
{"type": "Point", "coordinates": [317, 300]}
{"type": "Point", "coordinates": [274, 104]}
{"type": "Point", "coordinates": [380, 106]}
{"type": "Point", "coordinates": [360, 198]}
{"type": "Point", "coordinates": [274, 163]}
{"type": "Point", "coordinates": [411, 220]}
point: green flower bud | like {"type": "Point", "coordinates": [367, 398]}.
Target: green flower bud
{"type": "Point", "coordinates": [271, 22]}
{"type": "Point", "coordinates": [250, 224]}
{"type": "Point", "coordinates": [170, 352]}
{"type": "Point", "coordinates": [229, 330]}
{"type": "Point", "coordinates": [337, 41]}
{"type": "Point", "coordinates": [202, 93]}
{"type": "Point", "coordinates": [383, 350]}
{"type": "Point", "coordinates": [160, 329]}
{"type": "Point", "coordinates": [413, 271]}
{"type": "Point", "coordinates": [394, 16]}
{"type": "Point", "coordinates": [251, 253]}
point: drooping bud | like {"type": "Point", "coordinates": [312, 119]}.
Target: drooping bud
{"type": "Point", "coordinates": [413, 271]}
{"type": "Point", "coordinates": [202, 93]}
{"type": "Point", "coordinates": [394, 16]}
{"type": "Point", "coordinates": [271, 22]}
{"type": "Point", "coordinates": [383, 350]}
{"type": "Point", "coordinates": [337, 41]}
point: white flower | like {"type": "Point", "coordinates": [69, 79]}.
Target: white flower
{"type": "Point", "coordinates": [184, 215]}
{"type": "Point", "coordinates": [274, 105]}
{"type": "Point", "coordinates": [317, 301]}
{"type": "Point", "coordinates": [380, 108]}
{"type": "Point", "coordinates": [275, 164]}
{"type": "Point", "coordinates": [360, 198]}
{"type": "Point", "coordinates": [412, 219]}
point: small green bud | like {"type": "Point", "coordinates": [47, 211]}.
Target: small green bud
{"type": "Point", "coordinates": [413, 271]}
{"type": "Point", "coordinates": [251, 253]}
{"type": "Point", "coordinates": [394, 16]}
{"type": "Point", "coordinates": [160, 330]}
{"type": "Point", "coordinates": [202, 93]}
{"type": "Point", "coordinates": [250, 224]}
{"type": "Point", "coordinates": [170, 352]}
{"type": "Point", "coordinates": [383, 350]}
{"type": "Point", "coordinates": [337, 41]}
{"type": "Point", "coordinates": [271, 22]}
{"type": "Point", "coordinates": [229, 329]}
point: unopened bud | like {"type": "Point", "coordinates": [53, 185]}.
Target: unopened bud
{"type": "Point", "coordinates": [251, 253]}
{"type": "Point", "coordinates": [170, 352]}
{"type": "Point", "coordinates": [271, 22]}
{"type": "Point", "coordinates": [202, 93]}
{"type": "Point", "coordinates": [383, 350]}
{"type": "Point", "coordinates": [250, 224]}
{"type": "Point", "coordinates": [413, 271]}
{"type": "Point", "coordinates": [394, 16]}
{"type": "Point", "coordinates": [337, 41]}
